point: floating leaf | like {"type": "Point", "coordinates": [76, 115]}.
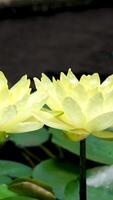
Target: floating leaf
{"type": "Point", "coordinates": [55, 174]}
{"type": "Point", "coordinates": [59, 139]}
{"type": "Point", "coordinates": [5, 192]}
{"type": "Point", "coordinates": [14, 169]}
{"type": "Point", "coordinates": [98, 150]}
{"type": "Point", "coordinates": [99, 184]}
{"type": "Point", "coordinates": [5, 180]}
{"type": "Point", "coordinates": [19, 198]}
{"type": "Point", "coordinates": [72, 192]}
{"type": "Point", "coordinates": [30, 139]}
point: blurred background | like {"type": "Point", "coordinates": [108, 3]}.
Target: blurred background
{"type": "Point", "coordinates": [53, 35]}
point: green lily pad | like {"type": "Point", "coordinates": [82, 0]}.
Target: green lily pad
{"type": "Point", "coordinates": [56, 175]}
{"type": "Point", "coordinates": [19, 198]}
{"type": "Point", "coordinates": [98, 150]}
{"type": "Point", "coordinates": [14, 169]}
{"type": "Point", "coordinates": [72, 192]}
{"type": "Point", "coordinates": [30, 139]}
{"type": "Point", "coordinates": [5, 192]}
{"type": "Point", "coordinates": [99, 185]}
{"type": "Point", "coordinates": [5, 180]}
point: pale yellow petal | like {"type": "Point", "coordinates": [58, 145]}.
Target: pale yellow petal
{"type": "Point", "coordinates": [45, 84]}
{"type": "Point", "coordinates": [63, 77]}
{"type": "Point", "coordinates": [51, 120]}
{"type": "Point", "coordinates": [107, 86]}
{"type": "Point", "coordinates": [108, 102]}
{"type": "Point", "coordinates": [39, 86]}
{"type": "Point", "coordinates": [61, 93]}
{"type": "Point", "coordinates": [95, 79]}
{"type": "Point", "coordinates": [71, 77]}
{"type": "Point", "coordinates": [23, 112]}
{"type": "Point", "coordinates": [108, 82]}
{"type": "Point", "coordinates": [56, 114]}
{"type": "Point", "coordinates": [103, 134]}
{"type": "Point", "coordinates": [90, 81]}
{"type": "Point", "coordinates": [3, 81]}
{"type": "Point", "coordinates": [48, 87]}
{"type": "Point", "coordinates": [20, 117]}
{"type": "Point", "coordinates": [101, 122]}
{"type": "Point", "coordinates": [20, 89]}
{"type": "Point", "coordinates": [4, 98]}
{"type": "Point", "coordinates": [68, 80]}
{"type": "Point", "coordinates": [79, 94]}
{"type": "Point", "coordinates": [73, 112]}
{"type": "Point", "coordinates": [95, 106]}
{"type": "Point", "coordinates": [45, 80]}
{"type": "Point", "coordinates": [64, 82]}
{"type": "Point", "coordinates": [54, 93]}
{"type": "Point", "coordinates": [25, 127]}
{"type": "Point", "coordinates": [77, 135]}
{"type": "Point", "coordinates": [26, 106]}
{"type": "Point", "coordinates": [37, 100]}
{"type": "Point", "coordinates": [6, 115]}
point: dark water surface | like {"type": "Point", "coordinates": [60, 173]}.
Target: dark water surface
{"type": "Point", "coordinates": [80, 40]}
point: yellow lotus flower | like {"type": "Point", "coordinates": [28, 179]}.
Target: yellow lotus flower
{"type": "Point", "coordinates": [17, 105]}
{"type": "Point", "coordinates": [78, 107]}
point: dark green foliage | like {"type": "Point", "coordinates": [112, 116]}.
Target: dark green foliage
{"type": "Point", "coordinates": [58, 177]}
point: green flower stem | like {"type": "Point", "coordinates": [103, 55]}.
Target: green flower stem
{"type": "Point", "coordinates": [30, 154]}
{"type": "Point", "coordinates": [47, 151]}
{"type": "Point", "coordinates": [83, 192]}
{"type": "Point", "coordinates": [28, 159]}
